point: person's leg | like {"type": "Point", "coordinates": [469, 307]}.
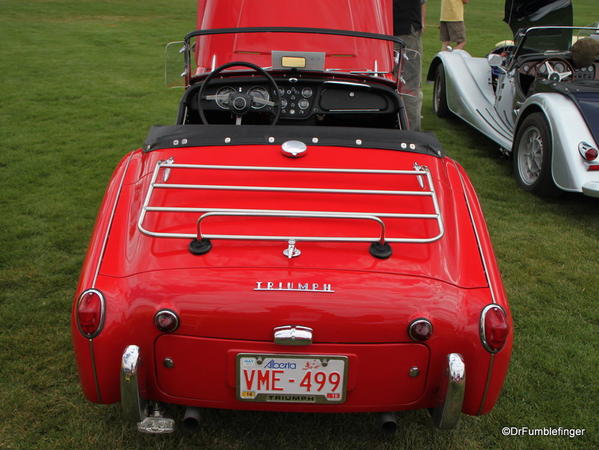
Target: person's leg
{"type": "Point", "coordinates": [444, 36]}
{"type": "Point", "coordinates": [457, 32]}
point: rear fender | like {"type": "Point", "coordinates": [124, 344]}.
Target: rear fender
{"type": "Point", "coordinates": [568, 169]}
{"type": "Point", "coordinates": [498, 364]}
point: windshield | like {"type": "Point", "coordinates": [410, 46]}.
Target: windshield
{"type": "Point", "coordinates": [293, 48]}
{"type": "Point", "coordinates": [553, 39]}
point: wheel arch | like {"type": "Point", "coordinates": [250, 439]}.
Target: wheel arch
{"type": "Point", "coordinates": [432, 70]}
{"type": "Point", "coordinates": [530, 109]}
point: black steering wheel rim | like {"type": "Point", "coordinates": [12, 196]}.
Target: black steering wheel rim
{"type": "Point", "coordinates": [277, 103]}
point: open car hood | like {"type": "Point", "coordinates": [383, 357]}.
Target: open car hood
{"type": "Point", "coordinates": [534, 13]}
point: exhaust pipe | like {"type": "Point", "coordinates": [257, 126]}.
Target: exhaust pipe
{"type": "Point", "coordinates": [191, 418]}
{"type": "Point", "coordinates": [388, 422]}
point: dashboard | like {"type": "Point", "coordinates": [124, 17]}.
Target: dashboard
{"type": "Point", "coordinates": [301, 99]}
{"type": "Point", "coordinates": [538, 68]}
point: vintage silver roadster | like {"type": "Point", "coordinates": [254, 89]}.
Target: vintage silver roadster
{"type": "Point", "coordinates": [536, 96]}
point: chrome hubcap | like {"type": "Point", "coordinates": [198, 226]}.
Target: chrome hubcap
{"type": "Point", "coordinates": [530, 156]}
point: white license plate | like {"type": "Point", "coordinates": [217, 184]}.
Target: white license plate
{"type": "Point", "coordinates": [291, 378]}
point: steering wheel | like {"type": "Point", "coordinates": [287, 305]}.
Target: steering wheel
{"type": "Point", "coordinates": [549, 69]}
{"type": "Point", "coordinates": [240, 103]}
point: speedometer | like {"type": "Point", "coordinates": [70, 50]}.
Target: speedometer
{"type": "Point", "coordinates": [260, 93]}
{"type": "Point", "coordinates": [222, 96]}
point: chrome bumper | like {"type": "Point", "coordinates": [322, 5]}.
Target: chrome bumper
{"type": "Point", "coordinates": [135, 408]}
{"type": "Point", "coordinates": [591, 189]}
{"type": "Point", "coordinates": [447, 413]}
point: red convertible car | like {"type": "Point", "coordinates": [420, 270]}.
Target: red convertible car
{"type": "Point", "coordinates": [288, 245]}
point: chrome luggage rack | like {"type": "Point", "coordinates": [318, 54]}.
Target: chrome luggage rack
{"type": "Point", "coordinates": [379, 244]}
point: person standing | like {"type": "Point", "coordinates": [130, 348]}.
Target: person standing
{"type": "Point", "coordinates": [452, 24]}
{"type": "Point", "coordinates": [408, 24]}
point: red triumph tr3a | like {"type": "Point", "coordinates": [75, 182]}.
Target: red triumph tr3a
{"type": "Point", "coordinates": [288, 245]}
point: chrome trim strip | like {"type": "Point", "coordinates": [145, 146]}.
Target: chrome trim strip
{"type": "Point", "coordinates": [349, 83]}
{"type": "Point", "coordinates": [133, 405]}
{"type": "Point", "coordinates": [486, 270]}
{"type": "Point", "coordinates": [94, 370]}
{"type": "Point", "coordinates": [487, 384]}
{"type": "Point", "coordinates": [447, 413]}
{"type": "Point", "coordinates": [480, 249]}
{"type": "Point", "coordinates": [355, 110]}
{"type": "Point", "coordinates": [112, 213]}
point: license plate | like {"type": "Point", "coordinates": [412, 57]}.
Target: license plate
{"type": "Point", "coordinates": [291, 378]}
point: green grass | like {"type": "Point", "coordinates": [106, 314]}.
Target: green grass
{"type": "Point", "coordinates": [81, 82]}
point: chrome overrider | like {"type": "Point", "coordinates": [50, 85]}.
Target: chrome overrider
{"type": "Point", "coordinates": [447, 413]}
{"type": "Point", "coordinates": [147, 415]}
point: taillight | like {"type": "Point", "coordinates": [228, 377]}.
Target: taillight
{"type": "Point", "coordinates": [587, 151]}
{"type": "Point", "coordinates": [420, 330]}
{"type": "Point", "coordinates": [166, 321]}
{"type": "Point", "coordinates": [90, 313]}
{"type": "Point", "coordinates": [494, 328]}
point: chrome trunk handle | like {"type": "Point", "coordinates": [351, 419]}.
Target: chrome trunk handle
{"type": "Point", "coordinates": [293, 335]}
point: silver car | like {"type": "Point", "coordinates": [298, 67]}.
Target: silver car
{"type": "Point", "coordinates": [537, 97]}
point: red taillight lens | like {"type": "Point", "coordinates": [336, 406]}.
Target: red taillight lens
{"type": "Point", "coordinates": [587, 151]}
{"type": "Point", "coordinates": [90, 313]}
{"type": "Point", "coordinates": [420, 330]}
{"type": "Point", "coordinates": [166, 321]}
{"type": "Point", "coordinates": [494, 328]}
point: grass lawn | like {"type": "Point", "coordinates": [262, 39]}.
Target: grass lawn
{"type": "Point", "coordinates": [81, 83]}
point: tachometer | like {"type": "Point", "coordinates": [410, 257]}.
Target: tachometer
{"type": "Point", "coordinates": [261, 93]}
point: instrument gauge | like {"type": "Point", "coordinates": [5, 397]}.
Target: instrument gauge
{"type": "Point", "coordinates": [222, 96]}
{"type": "Point", "coordinates": [303, 104]}
{"type": "Point", "coordinates": [261, 93]}
{"type": "Point", "coordinates": [559, 67]}
{"type": "Point", "coordinates": [307, 92]}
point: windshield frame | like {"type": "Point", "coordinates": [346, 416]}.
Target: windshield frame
{"type": "Point", "coordinates": [523, 35]}
{"type": "Point", "coordinates": [187, 49]}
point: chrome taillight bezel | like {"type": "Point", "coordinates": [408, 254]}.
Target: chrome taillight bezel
{"type": "Point", "coordinates": [483, 335]}
{"type": "Point", "coordinates": [583, 148]}
{"type": "Point", "coordinates": [172, 314]}
{"type": "Point", "coordinates": [416, 322]}
{"type": "Point", "coordinates": [102, 313]}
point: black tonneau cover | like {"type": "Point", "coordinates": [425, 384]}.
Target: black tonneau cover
{"type": "Point", "coordinates": [169, 136]}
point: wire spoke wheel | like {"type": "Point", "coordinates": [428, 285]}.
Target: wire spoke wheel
{"type": "Point", "coordinates": [440, 106]}
{"type": "Point", "coordinates": [532, 156]}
